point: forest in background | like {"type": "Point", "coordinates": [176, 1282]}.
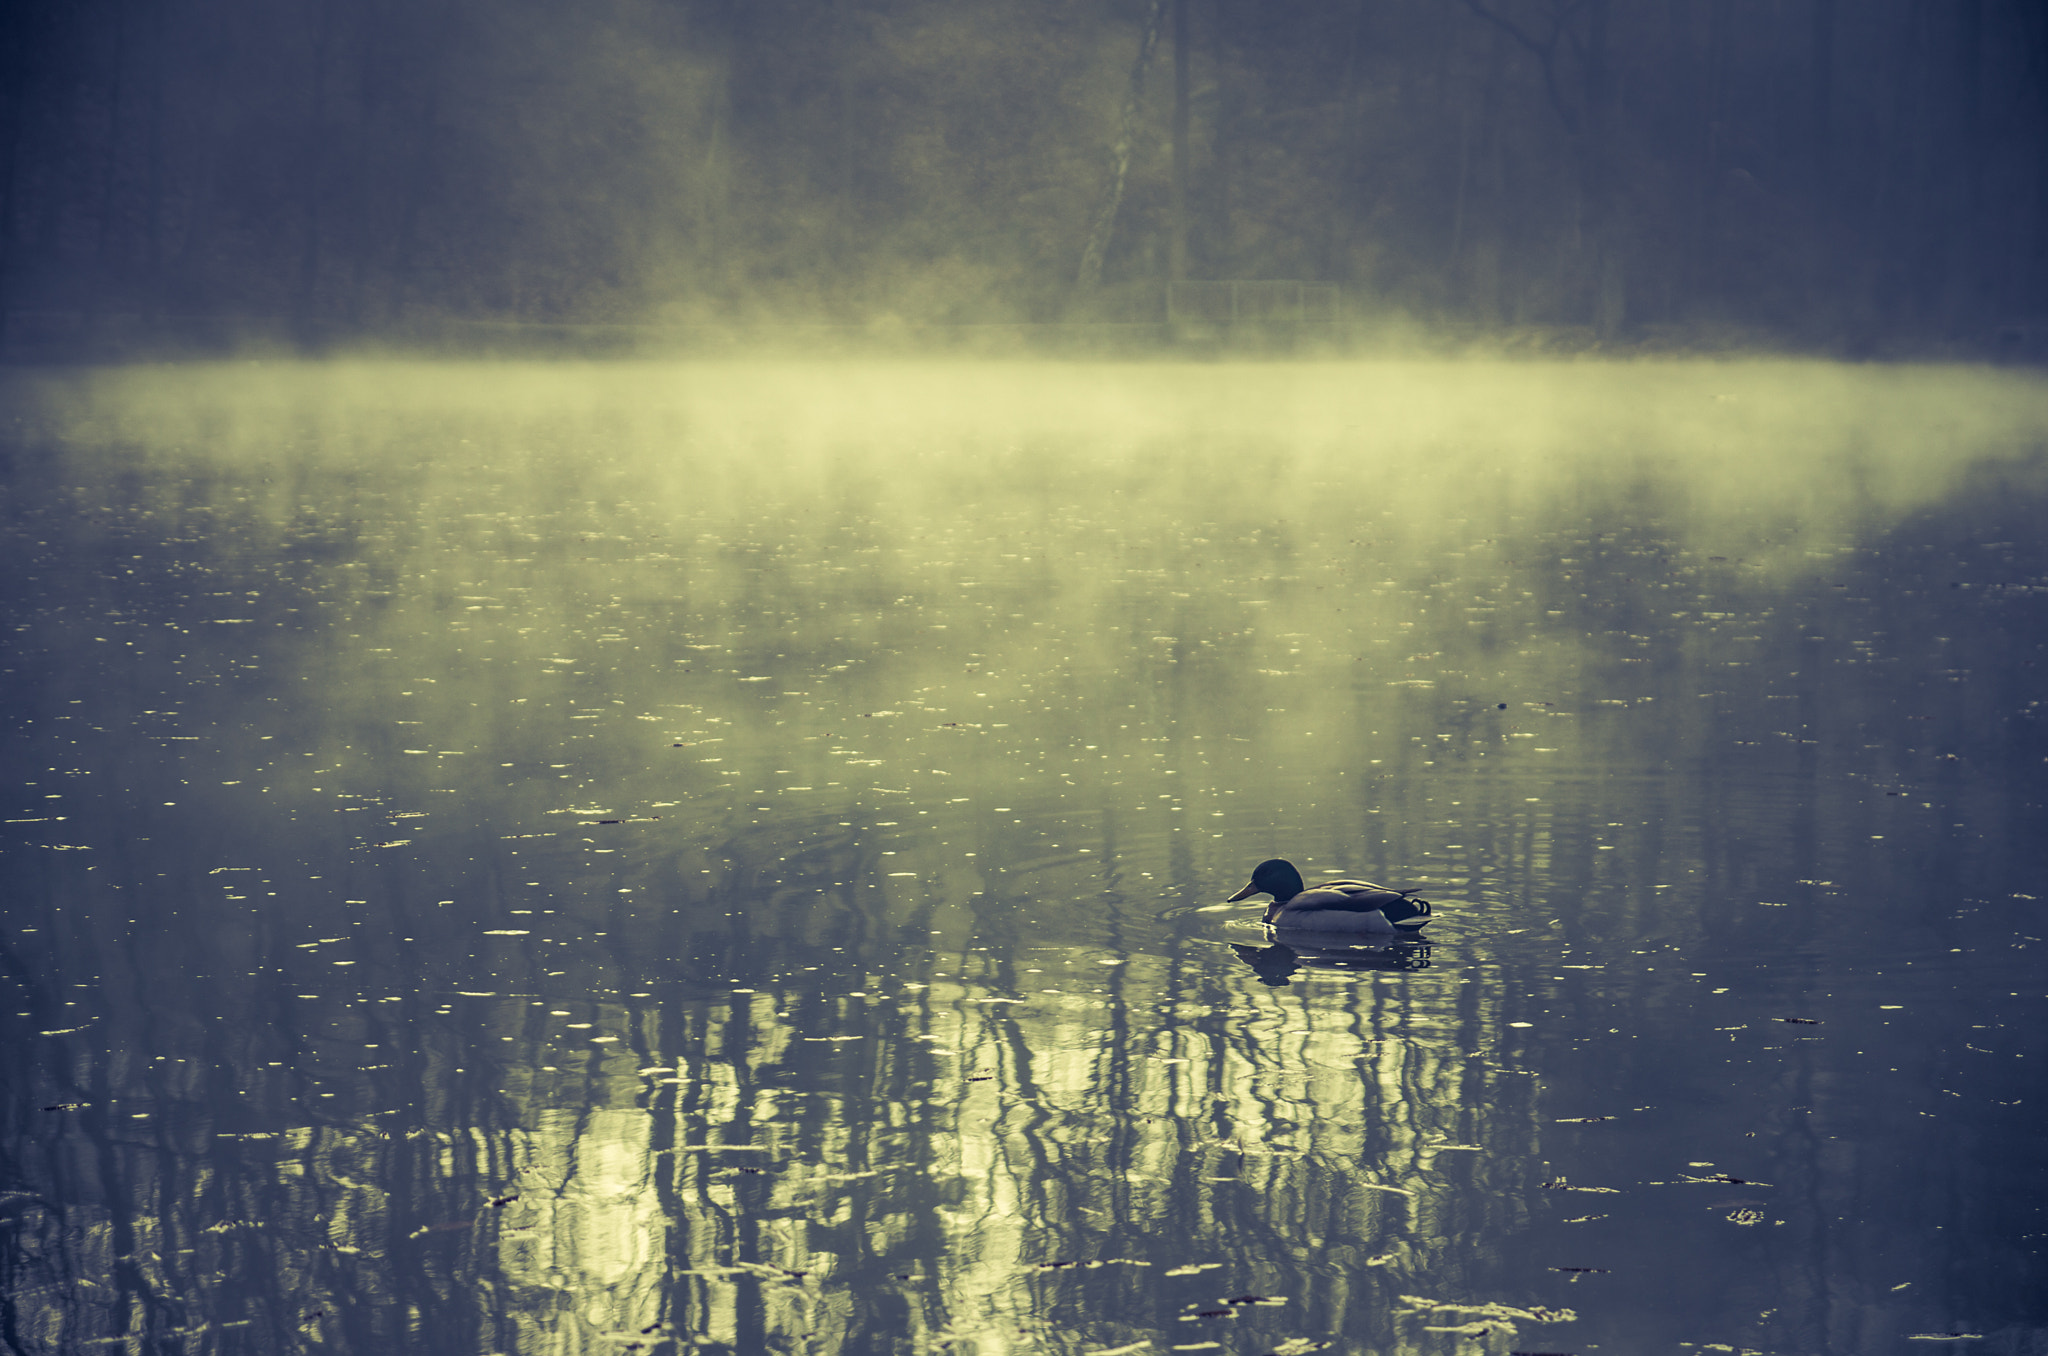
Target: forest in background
{"type": "Point", "coordinates": [1845, 177]}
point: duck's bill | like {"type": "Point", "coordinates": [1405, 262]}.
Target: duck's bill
{"type": "Point", "coordinates": [1243, 894]}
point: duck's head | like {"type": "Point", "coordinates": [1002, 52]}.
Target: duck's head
{"type": "Point", "coordinates": [1276, 877]}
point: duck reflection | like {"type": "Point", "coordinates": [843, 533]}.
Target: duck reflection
{"type": "Point", "coordinates": [1276, 963]}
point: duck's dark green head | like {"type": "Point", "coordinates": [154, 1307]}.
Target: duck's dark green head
{"type": "Point", "coordinates": [1276, 877]}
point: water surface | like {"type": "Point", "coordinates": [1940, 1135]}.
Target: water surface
{"type": "Point", "coordinates": [729, 858]}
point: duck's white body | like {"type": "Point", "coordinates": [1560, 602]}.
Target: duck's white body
{"type": "Point", "coordinates": [1354, 906]}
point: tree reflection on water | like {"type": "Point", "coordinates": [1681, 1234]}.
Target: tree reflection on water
{"type": "Point", "coordinates": [926, 1162]}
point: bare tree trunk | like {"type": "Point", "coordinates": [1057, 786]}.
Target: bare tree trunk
{"type": "Point", "coordinates": [13, 89]}
{"type": "Point", "coordinates": [1177, 253]}
{"type": "Point", "coordinates": [1485, 227]}
{"type": "Point", "coordinates": [1097, 249]}
{"type": "Point", "coordinates": [370, 86]}
{"type": "Point", "coordinates": [424, 136]}
{"type": "Point", "coordinates": [316, 171]}
{"type": "Point", "coordinates": [845, 217]}
{"type": "Point", "coordinates": [1337, 225]}
{"type": "Point", "coordinates": [1891, 294]}
{"type": "Point", "coordinates": [1820, 119]}
{"type": "Point", "coordinates": [1965, 229]}
{"type": "Point", "coordinates": [713, 198]}
{"type": "Point", "coordinates": [1720, 39]}
{"type": "Point", "coordinates": [206, 162]}
{"type": "Point", "coordinates": [1222, 251]}
{"type": "Point", "coordinates": [2031, 248]}
{"type": "Point", "coordinates": [1466, 152]}
{"type": "Point", "coordinates": [61, 154]}
{"type": "Point", "coordinates": [153, 168]}
{"type": "Point", "coordinates": [1825, 256]}
{"type": "Point", "coordinates": [1609, 230]}
{"type": "Point", "coordinates": [110, 166]}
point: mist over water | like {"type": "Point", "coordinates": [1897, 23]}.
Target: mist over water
{"type": "Point", "coordinates": [213, 176]}
{"type": "Point", "coordinates": [729, 857]}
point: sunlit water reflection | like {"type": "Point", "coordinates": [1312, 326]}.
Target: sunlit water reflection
{"type": "Point", "coordinates": [729, 859]}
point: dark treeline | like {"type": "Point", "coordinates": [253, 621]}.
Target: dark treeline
{"type": "Point", "coordinates": [1822, 173]}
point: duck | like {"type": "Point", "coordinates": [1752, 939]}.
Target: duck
{"type": "Point", "coordinates": [1333, 906]}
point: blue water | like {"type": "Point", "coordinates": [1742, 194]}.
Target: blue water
{"type": "Point", "coordinates": [730, 858]}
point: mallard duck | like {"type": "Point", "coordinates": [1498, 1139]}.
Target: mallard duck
{"type": "Point", "coordinates": [1333, 906]}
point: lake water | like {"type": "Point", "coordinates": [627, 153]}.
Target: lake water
{"type": "Point", "coordinates": [730, 858]}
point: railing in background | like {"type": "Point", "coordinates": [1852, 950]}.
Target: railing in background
{"type": "Point", "coordinates": [1251, 301]}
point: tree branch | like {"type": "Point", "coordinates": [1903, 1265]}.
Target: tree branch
{"type": "Point", "coordinates": [1512, 29]}
{"type": "Point", "coordinates": [1545, 52]}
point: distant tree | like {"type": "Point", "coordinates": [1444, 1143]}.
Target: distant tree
{"type": "Point", "coordinates": [1570, 41]}
{"type": "Point", "coordinates": [1096, 250]}
{"type": "Point", "coordinates": [1831, 174]}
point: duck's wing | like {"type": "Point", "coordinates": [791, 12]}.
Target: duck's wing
{"type": "Point", "coordinates": [1342, 897]}
{"type": "Point", "coordinates": [1350, 886]}
{"type": "Point", "coordinates": [1363, 894]}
